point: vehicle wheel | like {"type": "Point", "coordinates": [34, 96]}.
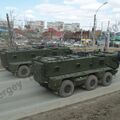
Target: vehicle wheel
{"type": "Point", "coordinates": [91, 82]}
{"type": "Point", "coordinates": [66, 88]}
{"type": "Point", "coordinates": [23, 71]}
{"type": "Point", "coordinates": [107, 79]}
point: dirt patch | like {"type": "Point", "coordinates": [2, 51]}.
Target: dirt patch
{"type": "Point", "coordinates": [103, 108]}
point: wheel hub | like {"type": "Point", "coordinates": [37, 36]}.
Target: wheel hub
{"type": "Point", "coordinates": [67, 89]}
{"type": "Point", "coordinates": [92, 83]}
{"type": "Point", "coordinates": [108, 79]}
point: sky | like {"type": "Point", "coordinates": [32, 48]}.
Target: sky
{"type": "Point", "coordinates": [68, 11]}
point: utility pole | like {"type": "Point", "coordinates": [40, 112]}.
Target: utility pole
{"type": "Point", "coordinates": [94, 24]}
{"type": "Point", "coordinates": [94, 30]}
{"type": "Point", "coordinates": [10, 44]}
{"type": "Point", "coordinates": [107, 41]}
{"type": "Point", "coordinates": [81, 33]}
{"type": "Point", "coordinates": [101, 28]}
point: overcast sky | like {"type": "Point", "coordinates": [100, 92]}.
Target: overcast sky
{"type": "Point", "coordinates": [80, 11]}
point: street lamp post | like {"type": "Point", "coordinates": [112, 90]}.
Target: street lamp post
{"type": "Point", "coordinates": [94, 25]}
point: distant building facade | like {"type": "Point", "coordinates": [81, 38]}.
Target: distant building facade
{"type": "Point", "coordinates": [56, 25]}
{"type": "Point", "coordinates": [67, 27]}
{"type": "Point", "coordinates": [51, 34]}
{"type": "Point", "coordinates": [73, 27]}
{"type": "Point", "coordinates": [36, 25]}
{"type": "Point", "coordinates": [3, 25]}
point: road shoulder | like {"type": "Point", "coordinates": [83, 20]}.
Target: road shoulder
{"type": "Point", "coordinates": [106, 107]}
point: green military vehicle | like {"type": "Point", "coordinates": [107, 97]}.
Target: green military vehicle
{"type": "Point", "coordinates": [19, 61]}
{"type": "Point", "coordinates": [62, 73]}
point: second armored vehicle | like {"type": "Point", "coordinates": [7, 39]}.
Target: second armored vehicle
{"type": "Point", "coordinates": [19, 61]}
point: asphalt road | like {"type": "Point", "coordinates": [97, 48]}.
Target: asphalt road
{"type": "Point", "coordinates": [24, 97]}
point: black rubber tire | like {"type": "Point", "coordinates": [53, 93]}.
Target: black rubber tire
{"type": "Point", "coordinates": [66, 88]}
{"type": "Point", "coordinates": [23, 71]}
{"type": "Point", "coordinates": [107, 79]}
{"type": "Point", "coordinates": [91, 82]}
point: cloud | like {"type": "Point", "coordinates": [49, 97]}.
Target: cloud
{"type": "Point", "coordinates": [10, 8]}
{"type": "Point", "coordinates": [53, 8]}
{"type": "Point", "coordinates": [59, 10]}
{"type": "Point", "coordinates": [80, 2]}
{"type": "Point", "coordinates": [29, 14]}
{"type": "Point", "coordinates": [81, 11]}
{"type": "Point", "coordinates": [93, 6]}
{"type": "Point", "coordinates": [29, 11]}
{"type": "Point", "coordinates": [25, 15]}
{"type": "Point", "coordinates": [116, 10]}
{"type": "Point", "coordinates": [86, 4]}
{"type": "Point", "coordinates": [30, 17]}
{"type": "Point", "coordinates": [115, 6]}
{"type": "Point", "coordinates": [114, 3]}
{"type": "Point", "coordinates": [19, 14]}
{"type": "Point", "coordinates": [70, 13]}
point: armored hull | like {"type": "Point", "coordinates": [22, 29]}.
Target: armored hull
{"type": "Point", "coordinates": [53, 72]}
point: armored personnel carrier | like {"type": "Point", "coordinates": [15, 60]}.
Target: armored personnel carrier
{"type": "Point", "coordinates": [19, 61]}
{"type": "Point", "coordinates": [61, 74]}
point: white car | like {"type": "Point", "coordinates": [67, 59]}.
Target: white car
{"type": "Point", "coordinates": [78, 45]}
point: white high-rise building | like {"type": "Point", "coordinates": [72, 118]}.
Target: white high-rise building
{"type": "Point", "coordinates": [56, 25]}
{"type": "Point", "coordinates": [74, 27]}
{"type": "Point", "coordinates": [36, 25]}
{"type": "Point", "coordinates": [67, 27]}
